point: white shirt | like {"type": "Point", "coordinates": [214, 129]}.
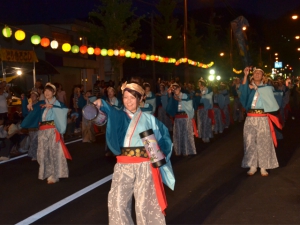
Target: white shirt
{"type": "Point", "coordinates": [3, 103]}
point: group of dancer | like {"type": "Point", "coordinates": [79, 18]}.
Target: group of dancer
{"type": "Point", "coordinates": [201, 114]}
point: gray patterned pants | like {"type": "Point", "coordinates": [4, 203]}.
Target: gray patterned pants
{"type": "Point", "coordinates": [183, 137]}
{"type": "Point", "coordinates": [259, 149]}
{"type": "Point", "coordinates": [33, 136]}
{"type": "Point", "coordinates": [204, 124]}
{"type": "Point", "coordinates": [129, 179]}
{"type": "Point", "coordinates": [164, 118]}
{"type": "Point", "coordinates": [219, 126]}
{"type": "Point", "coordinates": [50, 156]}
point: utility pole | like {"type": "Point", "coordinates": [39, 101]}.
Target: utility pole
{"type": "Point", "coordinates": [153, 62]}
{"type": "Point", "coordinates": [186, 68]}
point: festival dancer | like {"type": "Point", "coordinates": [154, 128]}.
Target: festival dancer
{"type": "Point", "coordinates": [133, 172]}
{"type": "Point", "coordinates": [162, 101]}
{"type": "Point", "coordinates": [181, 108]}
{"type": "Point", "coordinates": [218, 103]}
{"type": "Point", "coordinates": [150, 97]}
{"type": "Point", "coordinates": [258, 99]}
{"type": "Point", "coordinates": [226, 109]}
{"type": "Point", "coordinates": [205, 114]}
{"type": "Point", "coordinates": [33, 131]}
{"type": "Point", "coordinates": [51, 117]}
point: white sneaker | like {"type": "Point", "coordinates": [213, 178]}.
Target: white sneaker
{"type": "Point", "coordinates": [263, 172]}
{"type": "Point", "coordinates": [52, 180]}
{"type": "Point", "coordinates": [252, 171]}
{"type": "Point", "coordinates": [3, 158]}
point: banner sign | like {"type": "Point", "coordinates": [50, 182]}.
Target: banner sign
{"type": "Point", "coordinates": [12, 55]}
{"type": "Point", "coordinates": [241, 38]}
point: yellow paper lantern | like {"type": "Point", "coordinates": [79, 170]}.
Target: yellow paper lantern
{"type": "Point", "coordinates": [54, 44]}
{"type": "Point", "coordinates": [110, 52]}
{"type": "Point", "coordinates": [66, 47]}
{"type": "Point", "coordinates": [138, 56]}
{"type": "Point", "coordinates": [152, 57]}
{"type": "Point", "coordinates": [20, 35]}
{"type": "Point", "coordinates": [122, 52]}
{"type": "Point", "coordinates": [7, 32]}
{"type": "Point", "coordinates": [133, 55]}
{"type": "Point", "coordinates": [90, 50]}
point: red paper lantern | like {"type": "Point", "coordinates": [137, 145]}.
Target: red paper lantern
{"type": "Point", "coordinates": [143, 56]}
{"type": "Point", "coordinates": [97, 51]}
{"type": "Point", "coordinates": [83, 49]}
{"type": "Point", "coordinates": [45, 42]}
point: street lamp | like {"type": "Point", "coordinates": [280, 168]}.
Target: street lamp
{"type": "Point", "coordinates": [19, 72]}
{"type": "Point", "coordinates": [222, 54]}
{"type": "Point", "coordinates": [244, 28]}
{"type": "Point", "coordinates": [169, 37]}
{"type": "Point", "coordinates": [294, 17]}
{"type": "Point", "coordinates": [276, 54]}
{"type": "Point", "coordinates": [211, 77]}
{"type": "Point", "coordinates": [268, 48]}
{"type": "Point", "coordinates": [297, 37]}
{"type": "Point", "coordinates": [212, 72]}
{"type": "Point", "coordinates": [218, 77]}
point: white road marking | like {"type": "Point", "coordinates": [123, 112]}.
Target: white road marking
{"type": "Point", "coordinates": [22, 156]}
{"type": "Point", "coordinates": [64, 201]}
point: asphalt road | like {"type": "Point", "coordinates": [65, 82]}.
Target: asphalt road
{"type": "Point", "coordinates": [211, 187]}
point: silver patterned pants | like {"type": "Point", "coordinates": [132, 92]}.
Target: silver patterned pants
{"type": "Point", "coordinates": [183, 137]}
{"type": "Point", "coordinates": [33, 137]}
{"type": "Point", "coordinates": [204, 124]}
{"type": "Point", "coordinates": [128, 180]}
{"type": "Point", "coordinates": [50, 156]}
{"type": "Point", "coordinates": [259, 149]}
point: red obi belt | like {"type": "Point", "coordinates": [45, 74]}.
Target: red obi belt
{"type": "Point", "coordinates": [157, 180]}
{"type": "Point", "coordinates": [271, 119]}
{"type": "Point", "coordinates": [58, 138]}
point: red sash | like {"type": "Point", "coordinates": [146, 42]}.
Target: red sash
{"type": "Point", "coordinates": [211, 114]}
{"type": "Point", "coordinates": [58, 138]}
{"type": "Point", "coordinates": [157, 180]}
{"type": "Point", "coordinates": [222, 114]}
{"type": "Point", "coordinates": [230, 116]}
{"type": "Point", "coordinates": [287, 109]}
{"type": "Point", "coordinates": [271, 119]}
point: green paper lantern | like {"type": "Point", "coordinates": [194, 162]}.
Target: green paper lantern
{"type": "Point", "coordinates": [127, 54]}
{"type": "Point", "coordinates": [147, 57]}
{"type": "Point", "coordinates": [104, 52]}
{"type": "Point", "coordinates": [138, 56]}
{"type": "Point", "coordinates": [35, 39]}
{"type": "Point", "coordinates": [7, 32]}
{"type": "Point", "coordinates": [75, 49]}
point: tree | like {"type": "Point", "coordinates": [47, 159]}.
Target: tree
{"type": "Point", "coordinates": [165, 25]}
{"type": "Point", "coordinates": [114, 25]}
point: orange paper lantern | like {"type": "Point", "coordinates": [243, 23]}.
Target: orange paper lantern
{"type": "Point", "coordinates": [45, 42]}
{"type": "Point", "coordinates": [97, 51]}
{"type": "Point", "coordinates": [83, 49]}
{"type": "Point", "coordinates": [122, 52]}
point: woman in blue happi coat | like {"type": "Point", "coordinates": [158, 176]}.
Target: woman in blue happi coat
{"type": "Point", "coordinates": [50, 116]}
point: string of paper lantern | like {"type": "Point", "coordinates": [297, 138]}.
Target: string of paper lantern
{"type": "Point", "coordinates": [83, 49]}
{"type": "Point", "coordinates": [237, 71]}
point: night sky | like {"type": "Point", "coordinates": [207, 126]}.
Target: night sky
{"type": "Point", "coordinates": [44, 11]}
